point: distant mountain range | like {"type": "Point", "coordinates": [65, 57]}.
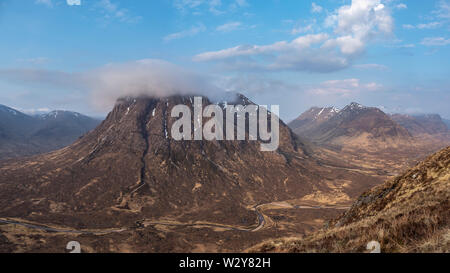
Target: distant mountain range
{"type": "Point", "coordinates": [25, 135]}
{"type": "Point", "coordinates": [355, 123]}
{"type": "Point", "coordinates": [447, 121]}
{"type": "Point", "coordinates": [421, 124]}
{"type": "Point", "coordinates": [362, 125]}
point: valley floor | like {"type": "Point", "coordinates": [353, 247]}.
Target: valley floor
{"type": "Point", "coordinates": [274, 219]}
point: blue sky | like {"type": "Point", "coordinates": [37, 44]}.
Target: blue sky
{"type": "Point", "coordinates": [81, 54]}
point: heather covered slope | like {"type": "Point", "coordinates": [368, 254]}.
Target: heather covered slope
{"type": "Point", "coordinates": [410, 213]}
{"type": "Point", "coordinates": [312, 118]}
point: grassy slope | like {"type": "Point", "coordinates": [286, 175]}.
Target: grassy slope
{"type": "Point", "coordinates": [408, 214]}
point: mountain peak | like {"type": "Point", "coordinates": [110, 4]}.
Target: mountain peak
{"type": "Point", "coordinates": [60, 113]}
{"type": "Point", "coordinates": [9, 110]}
{"type": "Point", "coordinates": [354, 122]}
{"type": "Point", "coordinates": [313, 117]}
{"type": "Point", "coordinates": [355, 106]}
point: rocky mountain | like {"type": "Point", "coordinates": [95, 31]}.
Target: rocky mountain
{"type": "Point", "coordinates": [410, 213]}
{"type": "Point", "coordinates": [24, 135]}
{"type": "Point", "coordinates": [14, 123]}
{"type": "Point", "coordinates": [130, 168]}
{"type": "Point", "coordinates": [61, 128]}
{"type": "Point", "coordinates": [355, 124]}
{"type": "Point", "coordinates": [421, 124]}
{"type": "Point", "coordinates": [14, 131]}
{"type": "Point", "coordinates": [312, 118]}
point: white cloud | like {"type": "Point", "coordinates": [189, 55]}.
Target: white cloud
{"type": "Point", "coordinates": [354, 26]}
{"type": "Point", "coordinates": [185, 4]}
{"type": "Point", "coordinates": [106, 84]}
{"type": "Point", "coordinates": [349, 44]}
{"type": "Point", "coordinates": [401, 6]}
{"type": "Point", "coordinates": [215, 7]}
{"type": "Point", "coordinates": [74, 2]}
{"type": "Point", "coordinates": [362, 19]}
{"type": "Point", "coordinates": [344, 88]}
{"type": "Point", "coordinates": [302, 29]}
{"type": "Point", "coordinates": [303, 53]}
{"type": "Point", "coordinates": [302, 42]}
{"type": "Point", "coordinates": [379, 67]}
{"type": "Point", "coordinates": [316, 8]}
{"type": "Point", "coordinates": [35, 61]}
{"type": "Point", "coordinates": [242, 3]}
{"type": "Point", "coordinates": [41, 76]}
{"type": "Point", "coordinates": [430, 25]}
{"type": "Point", "coordinates": [47, 3]}
{"type": "Point", "coordinates": [435, 41]}
{"type": "Point", "coordinates": [255, 84]}
{"type": "Point", "coordinates": [229, 27]}
{"type": "Point", "coordinates": [443, 9]}
{"type": "Point", "coordinates": [145, 77]}
{"type": "Point", "coordinates": [402, 46]}
{"type": "Point", "coordinates": [186, 33]}
{"type": "Point", "coordinates": [111, 10]}
{"type": "Point", "coordinates": [38, 111]}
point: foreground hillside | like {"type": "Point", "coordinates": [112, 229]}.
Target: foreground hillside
{"type": "Point", "coordinates": [410, 213]}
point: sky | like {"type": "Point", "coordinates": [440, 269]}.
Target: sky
{"type": "Point", "coordinates": [81, 55]}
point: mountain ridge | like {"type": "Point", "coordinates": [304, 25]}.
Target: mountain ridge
{"type": "Point", "coordinates": [431, 124]}
{"type": "Point", "coordinates": [354, 123]}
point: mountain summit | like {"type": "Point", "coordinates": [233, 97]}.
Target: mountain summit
{"type": "Point", "coordinates": [312, 118]}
